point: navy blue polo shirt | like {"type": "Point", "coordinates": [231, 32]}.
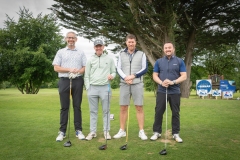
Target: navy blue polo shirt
{"type": "Point", "coordinates": [169, 69]}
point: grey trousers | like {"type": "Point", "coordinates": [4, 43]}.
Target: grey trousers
{"type": "Point", "coordinates": [96, 93]}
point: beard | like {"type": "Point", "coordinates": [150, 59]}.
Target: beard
{"type": "Point", "coordinates": [71, 44]}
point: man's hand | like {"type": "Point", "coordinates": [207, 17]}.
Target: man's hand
{"type": "Point", "coordinates": [129, 82]}
{"type": "Point", "coordinates": [74, 70]}
{"type": "Point", "coordinates": [129, 77]}
{"type": "Point", "coordinates": [109, 77]}
{"type": "Point", "coordinates": [72, 75]}
{"type": "Point", "coordinates": [167, 82]}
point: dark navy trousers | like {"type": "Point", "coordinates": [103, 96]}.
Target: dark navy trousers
{"type": "Point", "coordinates": [76, 101]}
{"type": "Point", "coordinates": [174, 101]}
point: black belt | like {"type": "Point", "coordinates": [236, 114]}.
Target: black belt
{"type": "Point", "coordinates": [68, 77]}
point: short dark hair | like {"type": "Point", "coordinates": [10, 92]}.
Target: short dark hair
{"type": "Point", "coordinates": [131, 36]}
{"type": "Point", "coordinates": [169, 42]}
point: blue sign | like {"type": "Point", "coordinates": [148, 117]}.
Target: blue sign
{"type": "Point", "coordinates": [216, 92]}
{"type": "Point", "coordinates": [204, 85]}
{"type": "Point", "coordinates": [226, 85]}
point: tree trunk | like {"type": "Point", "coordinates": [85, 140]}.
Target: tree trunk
{"type": "Point", "coordinates": [146, 51]}
{"type": "Point", "coordinates": [20, 89]}
{"type": "Point", "coordinates": [186, 85]}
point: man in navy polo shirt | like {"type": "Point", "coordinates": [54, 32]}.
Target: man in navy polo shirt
{"type": "Point", "coordinates": [169, 71]}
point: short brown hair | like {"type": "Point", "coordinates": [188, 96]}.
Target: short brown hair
{"type": "Point", "coordinates": [169, 42]}
{"type": "Point", "coordinates": [131, 36]}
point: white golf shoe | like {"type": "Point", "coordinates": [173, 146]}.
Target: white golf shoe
{"type": "Point", "coordinates": [155, 136]}
{"type": "Point", "coordinates": [121, 133]}
{"type": "Point", "coordinates": [142, 135]}
{"type": "Point", "coordinates": [61, 136]}
{"type": "Point", "coordinates": [91, 135]}
{"type": "Point", "coordinates": [80, 135]}
{"type": "Point", "coordinates": [177, 138]}
{"type": "Point", "coordinates": [107, 136]}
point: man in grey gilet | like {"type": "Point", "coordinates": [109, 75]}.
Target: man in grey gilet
{"type": "Point", "coordinates": [131, 66]}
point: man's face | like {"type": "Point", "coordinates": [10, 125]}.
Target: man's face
{"type": "Point", "coordinates": [131, 44]}
{"type": "Point", "coordinates": [71, 39]}
{"type": "Point", "coordinates": [168, 49]}
{"type": "Point", "coordinates": [99, 49]}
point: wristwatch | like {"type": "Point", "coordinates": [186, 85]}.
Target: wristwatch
{"type": "Point", "coordinates": [135, 75]}
{"type": "Point", "coordinates": [174, 81]}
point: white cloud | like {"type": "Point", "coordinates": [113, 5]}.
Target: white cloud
{"type": "Point", "coordinates": [11, 8]}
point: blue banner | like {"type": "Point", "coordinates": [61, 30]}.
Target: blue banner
{"type": "Point", "coordinates": [226, 85]}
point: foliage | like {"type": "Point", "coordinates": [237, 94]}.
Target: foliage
{"type": "Point", "coordinates": [191, 24]}
{"type": "Point", "coordinates": [204, 25]}
{"type": "Point", "coordinates": [28, 47]}
{"type": "Point", "coordinates": [198, 72]}
{"type": "Point", "coordinates": [115, 82]}
{"type": "Point", "coordinates": [223, 60]}
{"type": "Point", "coordinates": [236, 76]}
{"type": "Point", "coordinates": [114, 19]}
{"type": "Point", "coordinates": [53, 84]}
{"type": "Point", "coordinates": [220, 61]}
{"type": "Point", "coordinates": [149, 83]}
{"type": "Point", "coordinates": [5, 85]}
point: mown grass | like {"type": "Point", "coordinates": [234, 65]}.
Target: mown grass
{"type": "Point", "coordinates": [29, 126]}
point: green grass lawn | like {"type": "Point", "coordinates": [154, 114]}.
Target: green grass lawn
{"type": "Point", "coordinates": [29, 124]}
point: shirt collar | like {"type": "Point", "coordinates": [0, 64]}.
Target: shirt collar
{"type": "Point", "coordinates": [126, 50]}
{"type": "Point", "coordinates": [173, 56]}
{"type": "Point", "coordinates": [75, 49]}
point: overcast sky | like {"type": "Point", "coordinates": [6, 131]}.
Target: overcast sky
{"type": "Point", "coordinates": [11, 7]}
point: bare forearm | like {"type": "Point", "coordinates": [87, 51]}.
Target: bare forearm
{"type": "Point", "coordinates": [66, 70]}
{"type": "Point", "coordinates": [182, 78]}
{"type": "Point", "coordinates": [156, 78]}
{"type": "Point", "coordinates": [61, 69]}
{"type": "Point", "coordinates": [82, 70]}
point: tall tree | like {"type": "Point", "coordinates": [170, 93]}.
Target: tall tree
{"type": "Point", "coordinates": [114, 19]}
{"type": "Point", "coordinates": [224, 61]}
{"type": "Point", "coordinates": [27, 49]}
{"type": "Point", "coordinates": [205, 25]}
{"type": "Point", "coordinates": [192, 24]}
